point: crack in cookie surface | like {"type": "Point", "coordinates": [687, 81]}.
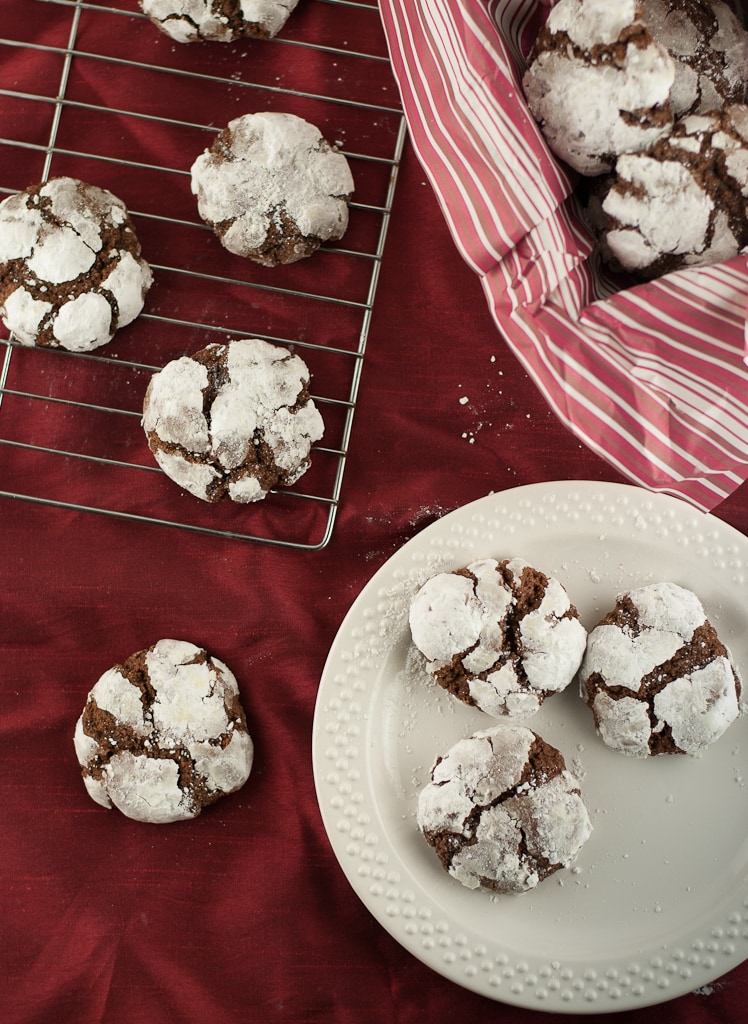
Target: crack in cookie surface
{"type": "Point", "coordinates": [164, 734]}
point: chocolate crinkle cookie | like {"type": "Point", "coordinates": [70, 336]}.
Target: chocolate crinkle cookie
{"type": "Point", "coordinates": [684, 203]}
{"type": "Point", "coordinates": [499, 635]}
{"type": "Point", "coordinates": [272, 188]}
{"type": "Point", "coordinates": [657, 677]}
{"type": "Point", "coordinates": [164, 734]}
{"type": "Point", "coordinates": [221, 21]}
{"type": "Point", "coordinates": [71, 273]}
{"type": "Point", "coordinates": [233, 420]}
{"type": "Point", "coordinates": [709, 48]}
{"type": "Point", "coordinates": [502, 811]}
{"type": "Point", "coordinates": [598, 83]}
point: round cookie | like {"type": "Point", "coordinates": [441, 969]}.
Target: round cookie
{"type": "Point", "coordinates": [656, 675]}
{"type": "Point", "coordinates": [684, 203]}
{"type": "Point", "coordinates": [232, 420]}
{"type": "Point", "coordinates": [222, 21]}
{"type": "Point", "coordinates": [709, 47]}
{"type": "Point", "coordinates": [272, 188]}
{"type": "Point", "coordinates": [164, 734]}
{"type": "Point", "coordinates": [597, 83]}
{"type": "Point", "coordinates": [71, 273]}
{"type": "Point", "coordinates": [502, 811]}
{"type": "Point", "coordinates": [501, 636]}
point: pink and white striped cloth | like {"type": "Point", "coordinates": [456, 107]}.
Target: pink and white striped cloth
{"type": "Point", "coordinates": [652, 377]}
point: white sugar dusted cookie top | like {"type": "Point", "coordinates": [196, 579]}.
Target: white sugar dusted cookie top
{"type": "Point", "coordinates": [709, 49]}
{"type": "Point", "coordinates": [656, 675]}
{"type": "Point", "coordinates": [221, 21]}
{"type": "Point", "coordinates": [233, 420]}
{"type": "Point", "coordinates": [164, 734]}
{"type": "Point", "coordinates": [597, 83]}
{"type": "Point", "coordinates": [273, 188]}
{"type": "Point", "coordinates": [71, 273]}
{"type": "Point", "coordinates": [682, 204]}
{"type": "Point", "coordinates": [502, 811]}
{"type": "Point", "coordinates": [499, 635]}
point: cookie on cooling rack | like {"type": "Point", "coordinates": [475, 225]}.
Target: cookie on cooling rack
{"type": "Point", "coordinates": [232, 420]}
{"type": "Point", "coordinates": [657, 677]}
{"type": "Point", "coordinates": [502, 811]}
{"type": "Point", "coordinates": [164, 734]}
{"type": "Point", "coordinates": [220, 21]}
{"type": "Point", "coordinates": [71, 273]}
{"type": "Point", "coordinates": [499, 635]}
{"type": "Point", "coordinates": [598, 83]}
{"type": "Point", "coordinates": [272, 188]}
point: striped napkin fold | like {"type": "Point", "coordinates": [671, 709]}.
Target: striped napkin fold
{"type": "Point", "coordinates": [653, 377]}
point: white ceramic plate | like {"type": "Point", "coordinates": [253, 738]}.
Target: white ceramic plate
{"type": "Point", "coordinates": [656, 904]}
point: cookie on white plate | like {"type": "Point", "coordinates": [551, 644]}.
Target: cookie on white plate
{"type": "Point", "coordinates": [501, 636]}
{"type": "Point", "coordinates": [502, 811]}
{"type": "Point", "coordinates": [657, 677]}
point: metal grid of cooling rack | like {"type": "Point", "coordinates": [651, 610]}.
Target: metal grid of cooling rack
{"type": "Point", "coordinates": [53, 403]}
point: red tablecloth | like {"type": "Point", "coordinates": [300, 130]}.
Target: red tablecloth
{"type": "Point", "coordinates": [244, 913]}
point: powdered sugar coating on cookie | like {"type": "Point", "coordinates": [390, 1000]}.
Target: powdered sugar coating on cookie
{"type": "Point", "coordinates": [656, 675]}
{"type": "Point", "coordinates": [164, 734]}
{"type": "Point", "coordinates": [71, 273]}
{"type": "Point", "coordinates": [502, 811]}
{"type": "Point", "coordinates": [233, 420]}
{"type": "Point", "coordinates": [709, 47]}
{"type": "Point", "coordinates": [221, 21]}
{"type": "Point", "coordinates": [597, 83]}
{"type": "Point", "coordinates": [501, 636]}
{"type": "Point", "coordinates": [273, 188]}
{"type": "Point", "coordinates": [685, 202]}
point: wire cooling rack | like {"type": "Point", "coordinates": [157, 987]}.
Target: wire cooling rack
{"type": "Point", "coordinates": [95, 91]}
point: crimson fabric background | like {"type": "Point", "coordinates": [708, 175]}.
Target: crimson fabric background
{"type": "Point", "coordinates": [243, 915]}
